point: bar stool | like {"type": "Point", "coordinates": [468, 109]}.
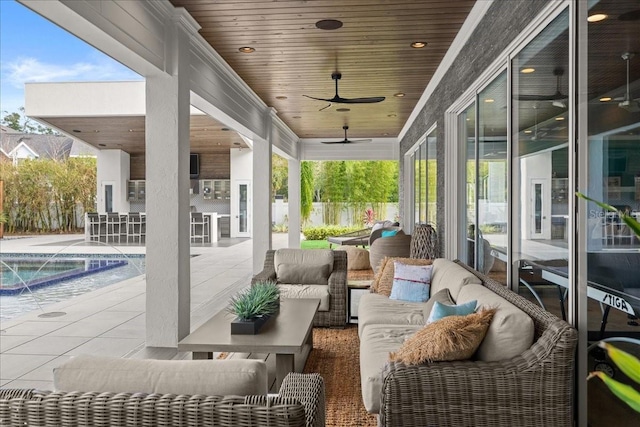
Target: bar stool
{"type": "Point", "coordinates": [134, 227]}
{"type": "Point", "coordinates": [116, 226]}
{"type": "Point", "coordinates": [93, 219]}
{"type": "Point", "coordinates": [199, 227]}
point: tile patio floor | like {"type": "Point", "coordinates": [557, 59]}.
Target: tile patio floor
{"type": "Point", "coordinates": [110, 321]}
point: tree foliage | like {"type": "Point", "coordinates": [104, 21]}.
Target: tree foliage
{"type": "Point", "coordinates": [306, 191]}
{"type": "Point", "coordinates": [47, 195]}
{"type": "Point", "coordinates": [279, 176]}
{"type": "Point", "coordinates": [22, 123]}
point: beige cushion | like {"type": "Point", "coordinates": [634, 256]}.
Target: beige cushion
{"type": "Point", "coordinates": [376, 309]}
{"type": "Point", "coordinates": [303, 274]}
{"type": "Point", "coordinates": [357, 258]}
{"type": "Point", "coordinates": [383, 280]}
{"type": "Point", "coordinates": [307, 291]}
{"type": "Point", "coordinates": [511, 331]}
{"type": "Point", "coordinates": [376, 343]}
{"type": "Point", "coordinates": [443, 297]}
{"type": "Point", "coordinates": [450, 338]}
{"type": "Point", "coordinates": [303, 256]}
{"type": "Point", "coordinates": [448, 274]}
{"type": "Point", "coordinates": [207, 377]}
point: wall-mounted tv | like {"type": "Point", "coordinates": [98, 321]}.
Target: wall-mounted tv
{"type": "Point", "coordinates": [194, 166]}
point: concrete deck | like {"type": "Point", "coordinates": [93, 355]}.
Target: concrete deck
{"type": "Point", "coordinates": [110, 321]}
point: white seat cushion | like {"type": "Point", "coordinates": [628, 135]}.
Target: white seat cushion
{"type": "Point", "coordinates": [320, 292]}
{"type": "Point", "coordinates": [376, 309]}
{"type": "Point", "coordinates": [376, 342]}
{"type": "Point", "coordinates": [208, 377]}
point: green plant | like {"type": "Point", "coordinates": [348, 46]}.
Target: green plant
{"type": "Point", "coordinates": [630, 366]}
{"type": "Point", "coordinates": [260, 299]}
{"type": "Point", "coordinates": [322, 232]}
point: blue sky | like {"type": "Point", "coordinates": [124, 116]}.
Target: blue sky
{"type": "Point", "coordinates": [32, 49]}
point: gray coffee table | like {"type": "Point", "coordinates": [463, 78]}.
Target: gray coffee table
{"type": "Point", "coordinates": [288, 335]}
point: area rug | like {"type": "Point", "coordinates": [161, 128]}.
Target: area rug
{"type": "Point", "coordinates": [335, 357]}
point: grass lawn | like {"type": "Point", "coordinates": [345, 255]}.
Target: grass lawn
{"type": "Point", "coordinates": [314, 244]}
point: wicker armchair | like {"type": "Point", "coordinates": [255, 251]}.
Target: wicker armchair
{"type": "Point", "coordinates": [531, 389]}
{"type": "Point", "coordinates": [300, 403]}
{"type": "Point", "coordinates": [336, 316]}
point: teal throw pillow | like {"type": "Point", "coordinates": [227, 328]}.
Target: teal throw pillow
{"type": "Point", "coordinates": [389, 233]}
{"type": "Point", "coordinates": [440, 310]}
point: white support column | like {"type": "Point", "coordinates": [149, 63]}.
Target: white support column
{"type": "Point", "coordinates": [294, 203]}
{"type": "Point", "coordinates": [167, 199]}
{"type": "Point", "coordinates": [262, 195]}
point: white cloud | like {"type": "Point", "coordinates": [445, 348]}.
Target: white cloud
{"type": "Point", "coordinates": [24, 70]}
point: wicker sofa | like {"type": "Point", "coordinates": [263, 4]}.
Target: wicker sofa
{"type": "Point", "coordinates": [295, 270]}
{"type": "Point", "coordinates": [522, 374]}
{"type": "Point", "coordinates": [113, 400]}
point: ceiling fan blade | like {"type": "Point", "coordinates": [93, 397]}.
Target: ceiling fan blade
{"type": "Point", "coordinates": [358, 141]}
{"type": "Point", "coordinates": [324, 108]}
{"type": "Point", "coordinates": [319, 99]}
{"type": "Point", "coordinates": [371, 100]}
{"type": "Point", "coordinates": [335, 142]}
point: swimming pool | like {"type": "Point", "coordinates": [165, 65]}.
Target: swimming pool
{"type": "Point", "coordinates": [66, 276]}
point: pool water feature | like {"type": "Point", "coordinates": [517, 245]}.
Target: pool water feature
{"type": "Point", "coordinates": [109, 269]}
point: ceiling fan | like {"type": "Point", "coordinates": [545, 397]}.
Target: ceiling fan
{"type": "Point", "coordinates": [346, 140]}
{"type": "Point", "coordinates": [557, 99]}
{"type": "Point", "coordinates": [626, 102]}
{"type": "Point", "coordinates": [337, 99]}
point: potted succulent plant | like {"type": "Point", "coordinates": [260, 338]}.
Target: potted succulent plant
{"type": "Point", "coordinates": [253, 307]}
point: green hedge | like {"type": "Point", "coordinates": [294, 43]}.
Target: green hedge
{"type": "Point", "coordinates": [324, 231]}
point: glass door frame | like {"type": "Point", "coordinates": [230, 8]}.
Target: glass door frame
{"type": "Point", "coordinates": [236, 232]}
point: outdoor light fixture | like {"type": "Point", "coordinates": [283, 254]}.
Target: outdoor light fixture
{"type": "Point", "coordinates": [281, 97]}
{"type": "Point", "coordinates": [527, 70]}
{"type": "Point", "coordinates": [246, 49]}
{"type": "Point", "coordinates": [597, 17]}
{"type": "Point", "coordinates": [399, 94]}
{"type": "Point", "coordinates": [418, 45]}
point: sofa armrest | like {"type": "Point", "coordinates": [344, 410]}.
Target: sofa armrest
{"type": "Point", "coordinates": [534, 388]}
{"type": "Point", "coordinates": [308, 389]}
{"type": "Point", "coordinates": [268, 273]}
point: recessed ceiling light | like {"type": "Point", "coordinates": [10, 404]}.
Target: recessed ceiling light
{"type": "Point", "coordinates": [130, 130]}
{"type": "Point", "coordinates": [329, 24]}
{"type": "Point", "coordinates": [343, 110]}
{"type": "Point", "coordinates": [77, 131]}
{"type": "Point", "coordinates": [489, 100]}
{"type": "Point", "coordinates": [418, 45]}
{"type": "Point", "coordinates": [391, 115]}
{"type": "Point", "coordinates": [218, 143]}
{"type": "Point", "coordinates": [297, 117]}
{"type": "Point", "coordinates": [102, 145]}
{"type": "Point", "coordinates": [236, 143]}
{"type": "Point", "coordinates": [597, 17]}
{"type": "Point", "coordinates": [527, 70]}
{"type": "Point", "coordinates": [246, 49]}
{"type": "Point", "coordinates": [281, 97]}
{"type": "Point", "coordinates": [527, 131]}
{"type": "Point", "coordinates": [224, 129]}
{"type": "Point", "coordinates": [399, 94]}
{"type": "Point", "coordinates": [96, 131]}
{"type": "Point", "coordinates": [559, 119]}
{"type": "Point", "coordinates": [605, 99]}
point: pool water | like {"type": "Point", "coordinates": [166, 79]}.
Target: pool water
{"type": "Point", "coordinates": [60, 279]}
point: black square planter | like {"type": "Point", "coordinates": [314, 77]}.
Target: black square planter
{"type": "Point", "coordinates": [248, 327]}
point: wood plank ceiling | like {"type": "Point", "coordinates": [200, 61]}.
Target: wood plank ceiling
{"type": "Point", "coordinates": [372, 50]}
